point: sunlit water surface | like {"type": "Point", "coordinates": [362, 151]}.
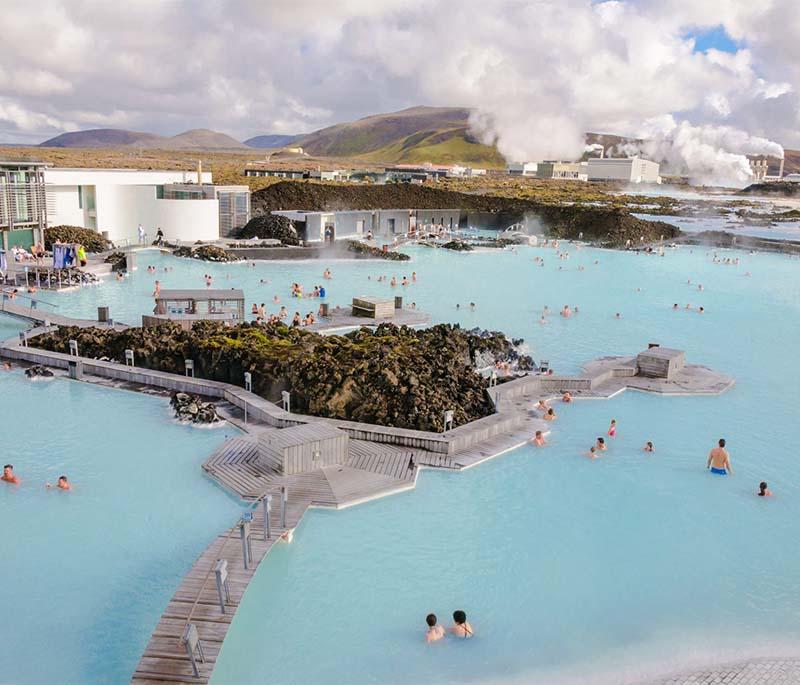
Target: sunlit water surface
{"type": "Point", "coordinates": [87, 573]}
{"type": "Point", "coordinates": [571, 570]}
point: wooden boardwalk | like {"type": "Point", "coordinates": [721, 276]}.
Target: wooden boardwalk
{"type": "Point", "coordinates": [196, 601]}
{"type": "Point", "coordinates": [41, 316]}
{"type": "Point", "coordinates": [372, 470]}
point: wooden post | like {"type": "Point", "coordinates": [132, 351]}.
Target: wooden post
{"type": "Point", "coordinates": [244, 532]}
{"type": "Point", "coordinates": [267, 503]}
{"type": "Point", "coordinates": [284, 497]}
{"type": "Point", "coordinates": [191, 640]}
{"type": "Point", "coordinates": [223, 590]}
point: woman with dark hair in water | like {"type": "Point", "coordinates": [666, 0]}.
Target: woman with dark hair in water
{"type": "Point", "coordinates": [461, 627]}
{"type": "Point", "coordinates": [763, 490]}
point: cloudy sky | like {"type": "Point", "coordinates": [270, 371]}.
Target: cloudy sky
{"type": "Point", "coordinates": [539, 72]}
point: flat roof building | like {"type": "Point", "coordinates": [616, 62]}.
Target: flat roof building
{"type": "Point", "coordinates": [116, 201]}
{"type": "Point", "coordinates": [629, 169]}
{"type": "Point", "coordinates": [381, 224]}
{"type": "Point", "coordinates": [185, 307]}
{"type": "Point", "coordinates": [523, 169]}
{"type": "Point", "coordinates": [23, 203]}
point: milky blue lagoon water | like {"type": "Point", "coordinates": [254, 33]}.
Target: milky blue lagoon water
{"type": "Point", "coordinates": [571, 571]}
{"type": "Point", "coordinates": [86, 574]}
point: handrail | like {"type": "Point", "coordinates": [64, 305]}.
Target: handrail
{"type": "Point", "coordinates": [34, 301]}
{"type": "Point", "coordinates": [219, 556]}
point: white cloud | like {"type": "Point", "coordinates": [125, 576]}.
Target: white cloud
{"type": "Point", "coordinates": [540, 73]}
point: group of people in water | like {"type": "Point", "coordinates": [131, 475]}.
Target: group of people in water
{"type": "Point", "coordinates": [13, 479]}
{"type": "Point", "coordinates": [718, 463]}
{"type": "Point", "coordinates": [461, 627]}
{"type": "Point", "coordinates": [393, 282]}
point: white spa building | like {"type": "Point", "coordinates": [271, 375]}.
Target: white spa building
{"type": "Point", "coordinates": [116, 201]}
{"type": "Point", "coordinates": [382, 224]}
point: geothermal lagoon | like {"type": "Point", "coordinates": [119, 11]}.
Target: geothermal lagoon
{"type": "Point", "coordinates": [616, 570]}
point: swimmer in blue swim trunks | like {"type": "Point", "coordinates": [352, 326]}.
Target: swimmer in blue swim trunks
{"type": "Point", "coordinates": [719, 462]}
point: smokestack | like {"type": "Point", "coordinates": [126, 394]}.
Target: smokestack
{"type": "Point", "coordinates": [199, 170]}
{"type": "Point", "coordinates": [780, 172]}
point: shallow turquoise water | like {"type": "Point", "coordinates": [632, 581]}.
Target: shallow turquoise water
{"type": "Point", "coordinates": [571, 570]}
{"type": "Point", "coordinates": [620, 568]}
{"type": "Point", "coordinates": [86, 574]}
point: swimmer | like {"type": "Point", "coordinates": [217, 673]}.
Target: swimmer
{"type": "Point", "coordinates": [461, 627]}
{"type": "Point", "coordinates": [719, 462]}
{"type": "Point", "coordinates": [648, 447]}
{"type": "Point", "coordinates": [458, 306]}
{"type": "Point", "coordinates": [157, 291]}
{"type": "Point", "coordinates": [414, 276]}
{"type": "Point", "coordinates": [393, 282]}
{"type": "Point", "coordinates": [62, 484]}
{"type": "Point", "coordinates": [9, 476]}
{"type": "Point", "coordinates": [566, 397]}
{"type": "Point", "coordinates": [120, 276]}
{"type": "Point", "coordinates": [6, 366]}
{"type": "Point", "coordinates": [612, 428]}
{"type": "Point", "coordinates": [675, 306]}
{"type": "Point", "coordinates": [700, 310]}
{"type": "Point", "coordinates": [550, 415]}
{"type": "Point", "coordinates": [276, 299]}
{"type": "Point", "coordinates": [538, 439]}
{"type": "Point", "coordinates": [327, 274]}
{"type": "Point", "coordinates": [542, 405]}
{"type": "Point", "coordinates": [472, 306]}
{"type": "Point", "coordinates": [404, 281]}
{"type": "Point", "coordinates": [435, 632]}
{"type": "Point", "coordinates": [575, 310]}
{"type": "Point", "coordinates": [763, 490]}
{"type": "Point", "coordinates": [601, 445]}
{"type": "Point", "coordinates": [617, 315]}
{"type": "Point", "coordinates": [592, 453]}
{"type": "Point", "coordinates": [543, 321]}
{"type": "Point", "coordinates": [566, 312]}
{"type": "Point", "coordinates": [254, 309]}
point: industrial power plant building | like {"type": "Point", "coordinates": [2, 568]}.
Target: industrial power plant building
{"type": "Point", "coordinates": [629, 169]}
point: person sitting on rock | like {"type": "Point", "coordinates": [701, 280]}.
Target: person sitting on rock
{"type": "Point", "coordinates": [296, 320]}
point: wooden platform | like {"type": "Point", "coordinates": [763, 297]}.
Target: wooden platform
{"type": "Point", "coordinates": [40, 316]}
{"type": "Point", "coordinates": [196, 601]}
{"type": "Point", "coordinates": [370, 470]}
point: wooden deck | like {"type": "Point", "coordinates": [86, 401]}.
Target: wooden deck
{"type": "Point", "coordinates": [196, 601]}
{"type": "Point", "coordinates": [371, 470]}
{"type": "Point", "coordinates": [344, 318]}
{"type": "Point", "coordinates": [40, 316]}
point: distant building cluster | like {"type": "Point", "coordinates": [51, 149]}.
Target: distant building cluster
{"type": "Point", "coordinates": [628, 169]}
{"type": "Point", "coordinates": [397, 173]}
{"type": "Point", "coordinates": [768, 170]}
{"type": "Point", "coordinates": [185, 205]}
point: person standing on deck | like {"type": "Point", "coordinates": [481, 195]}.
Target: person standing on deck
{"type": "Point", "coordinates": [140, 232]}
{"type": "Point", "coordinates": [719, 462]}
